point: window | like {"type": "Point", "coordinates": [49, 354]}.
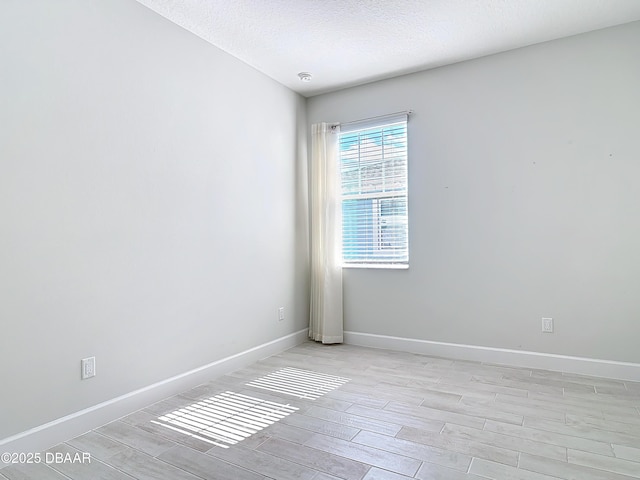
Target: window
{"type": "Point", "coordinates": [373, 167]}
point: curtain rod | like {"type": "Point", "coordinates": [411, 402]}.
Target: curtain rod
{"type": "Point", "coordinates": [406, 112]}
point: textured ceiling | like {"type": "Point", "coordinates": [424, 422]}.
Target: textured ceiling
{"type": "Point", "coordinates": [350, 42]}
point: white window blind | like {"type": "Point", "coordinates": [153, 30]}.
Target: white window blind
{"type": "Point", "coordinates": [373, 167]}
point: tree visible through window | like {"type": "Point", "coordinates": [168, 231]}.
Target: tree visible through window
{"type": "Point", "coordinates": [373, 166]}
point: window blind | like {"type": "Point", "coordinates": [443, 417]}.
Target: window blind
{"type": "Point", "coordinates": [373, 167]}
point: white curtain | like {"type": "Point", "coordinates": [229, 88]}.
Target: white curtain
{"type": "Point", "coordinates": [326, 243]}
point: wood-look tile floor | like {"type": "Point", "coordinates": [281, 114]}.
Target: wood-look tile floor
{"type": "Point", "coordinates": [398, 416]}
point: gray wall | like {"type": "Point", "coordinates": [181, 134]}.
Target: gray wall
{"type": "Point", "coordinates": [152, 206]}
{"type": "Point", "coordinates": [524, 200]}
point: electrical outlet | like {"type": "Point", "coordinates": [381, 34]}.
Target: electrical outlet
{"type": "Point", "coordinates": [547, 325]}
{"type": "Point", "coordinates": [281, 314]}
{"type": "Point", "coordinates": [88, 367]}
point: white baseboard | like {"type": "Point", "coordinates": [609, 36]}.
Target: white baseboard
{"type": "Point", "coordinates": [49, 434]}
{"type": "Point", "coordinates": [502, 356]}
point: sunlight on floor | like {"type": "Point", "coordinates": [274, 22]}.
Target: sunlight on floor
{"type": "Point", "coordinates": [225, 419]}
{"type": "Point", "coordinates": [299, 383]}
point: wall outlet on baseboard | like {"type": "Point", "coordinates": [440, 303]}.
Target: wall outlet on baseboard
{"type": "Point", "coordinates": [281, 314]}
{"type": "Point", "coordinates": [88, 367]}
{"type": "Point", "coordinates": [547, 325]}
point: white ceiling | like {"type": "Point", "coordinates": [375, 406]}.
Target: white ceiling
{"type": "Point", "coordinates": [350, 42]}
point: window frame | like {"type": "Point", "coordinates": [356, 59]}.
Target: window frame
{"type": "Point", "coordinates": [377, 224]}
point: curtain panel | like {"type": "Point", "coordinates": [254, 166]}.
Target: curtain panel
{"type": "Point", "coordinates": [326, 321]}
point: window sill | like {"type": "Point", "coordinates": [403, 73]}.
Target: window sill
{"type": "Point", "coordinates": [378, 266]}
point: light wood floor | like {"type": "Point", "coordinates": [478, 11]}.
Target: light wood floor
{"type": "Point", "coordinates": [386, 416]}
